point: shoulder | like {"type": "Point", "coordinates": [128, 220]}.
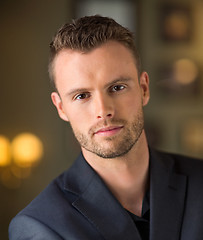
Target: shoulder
{"type": "Point", "coordinates": [53, 209]}
{"type": "Point", "coordinates": [23, 227]}
{"type": "Point", "coordinates": [53, 198]}
{"type": "Point", "coordinates": [181, 163]}
{"type": "Point", "coordinates": [45, 214]}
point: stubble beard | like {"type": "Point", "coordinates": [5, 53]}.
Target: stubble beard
{"type": "Point", "coordinates": [116, 146]}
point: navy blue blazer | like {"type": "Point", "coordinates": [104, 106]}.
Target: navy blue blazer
{"type": "Point", "coordinates": [78, 206]}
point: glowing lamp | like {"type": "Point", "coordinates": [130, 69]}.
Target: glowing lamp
{"type": "Point", "coordinates": [27, 149]}
{"type": "Point", "coordinates": [5, 156]}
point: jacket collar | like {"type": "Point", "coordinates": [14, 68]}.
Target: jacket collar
{"type": "Point", "coordinates": [167, 197]}
{"type": "Point", "coordinates": [95, 202]}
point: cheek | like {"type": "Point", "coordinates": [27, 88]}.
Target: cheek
{"type": "Point", "coordinates": [131, 104]}
{"type": "Point", "coordinates": [78, 119]}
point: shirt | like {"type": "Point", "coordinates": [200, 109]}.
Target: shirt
{"type": "Point", "coordinates": [142, 223]}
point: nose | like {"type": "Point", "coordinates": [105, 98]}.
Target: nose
{"type": "Point", "coordinates": [104, 107]}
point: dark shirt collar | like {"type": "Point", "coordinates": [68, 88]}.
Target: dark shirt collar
{"type": "Point", "coordinates": [145, 209]}
{"type": "Point", "coordinates": [142, 223]}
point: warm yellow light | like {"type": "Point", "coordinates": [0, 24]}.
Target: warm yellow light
{"type": "Point", "coordinates": [176, 25]}
{"type": "Point", "coordinates": [185, 71]}
{"type": "Point", "coordinates": [27, 149]}
{"type": "Point", "coordinates": [5, 156]}
{"type": "Point", "coordinates": [192, 137]}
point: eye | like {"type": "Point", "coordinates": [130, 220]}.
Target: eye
{"type": "Point", "coordinates": [117, 88]}
{"type": "Point", "coordinates": [82, 96]}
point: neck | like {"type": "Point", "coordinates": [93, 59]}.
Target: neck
{"type": "Point", "coordinates": [126, 176]}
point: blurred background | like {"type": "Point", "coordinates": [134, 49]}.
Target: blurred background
{"type": "Point", "coordinates": [35, 145]}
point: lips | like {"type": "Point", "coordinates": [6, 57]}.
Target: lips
{"type": "Point", "coordinates": [108, 131]}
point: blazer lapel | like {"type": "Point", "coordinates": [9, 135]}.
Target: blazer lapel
{"type": "Point", "coordinates": [98, 205]}
{"type": "Point", "coordinates": [167, 195]}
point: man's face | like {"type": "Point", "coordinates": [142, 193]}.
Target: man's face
{"type": "Point", "coordinates": [102, 98]}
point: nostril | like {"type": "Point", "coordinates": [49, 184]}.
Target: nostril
{"type": "Point", "coordinates": [109, 115]}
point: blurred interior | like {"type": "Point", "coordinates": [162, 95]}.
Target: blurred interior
{"type": "Point", "coordinates": [169, 36]}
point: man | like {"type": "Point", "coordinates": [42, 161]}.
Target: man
{"type": "Point", "coordinates": [118, 188]}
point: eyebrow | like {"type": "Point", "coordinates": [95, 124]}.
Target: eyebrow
{"type": "Point", "coordinates": [118, 80]}
{"type": "Point", "coordinates": [78, 90]}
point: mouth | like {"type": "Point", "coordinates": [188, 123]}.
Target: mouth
{"type": "Point", "coordinates": [109, 131]}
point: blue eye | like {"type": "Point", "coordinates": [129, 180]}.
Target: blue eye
{"type": "Point", "coordinates": [82, 96]}
{"type": "Point", "coordinates": [117, 88]}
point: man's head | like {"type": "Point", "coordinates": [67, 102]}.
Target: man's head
{"type": "Point", "coordinates": [88, 33]}
{"type": "Point", "coordinates": [99, 88]}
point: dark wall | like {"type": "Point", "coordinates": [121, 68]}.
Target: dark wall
{"type": "Point", "coordinates": [25, 104]}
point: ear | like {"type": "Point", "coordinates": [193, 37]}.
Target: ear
{"type": "Point", "coordinates": [56, 99]}
{"type": "Point", "coordinates": [144, 85]}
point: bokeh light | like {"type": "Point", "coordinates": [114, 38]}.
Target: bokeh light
{"type": "Point", "coordinates": [5, 155]}
{"type": "Point", "coordinates": [185, 71]}
{"type": "Point", "coordinates": [27, 149]}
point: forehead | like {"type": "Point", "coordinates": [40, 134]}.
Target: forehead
{"type": "Point", "coordinates": [105, 62]}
